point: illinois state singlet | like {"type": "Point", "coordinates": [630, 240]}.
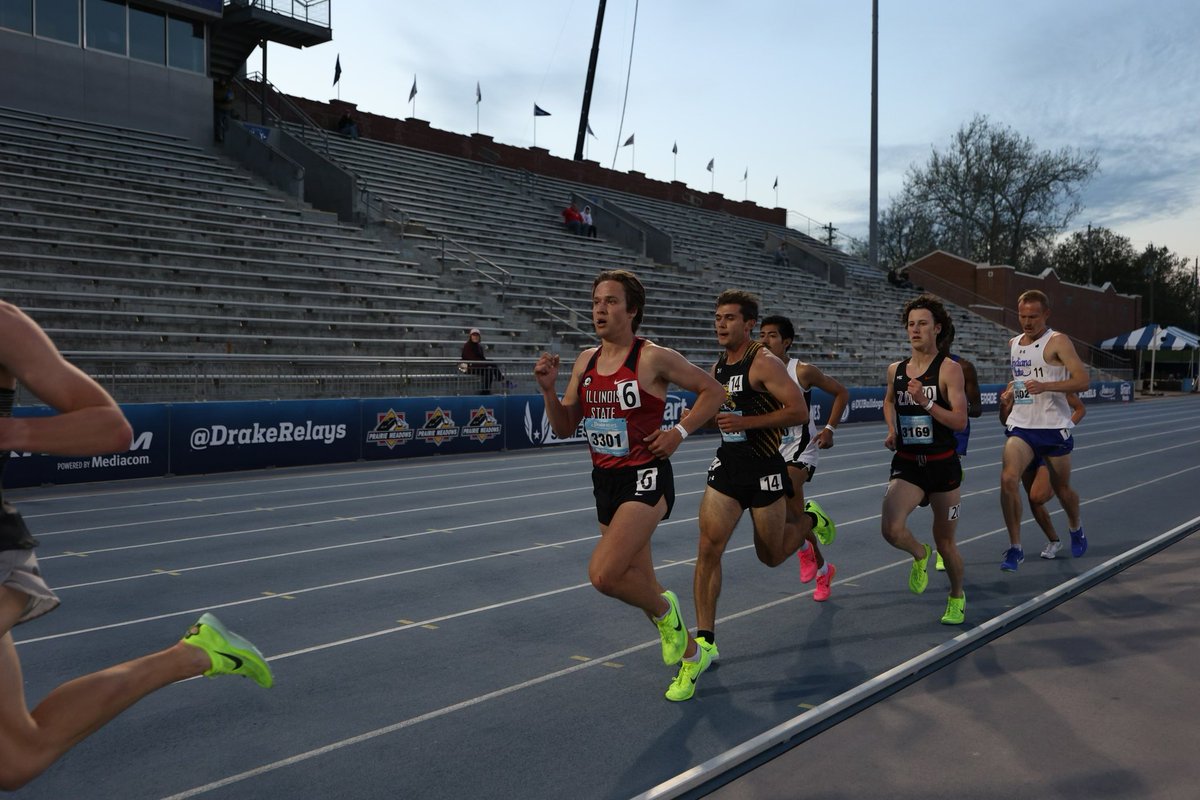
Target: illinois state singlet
{"type": "Point", "coordinates": [618, 413]}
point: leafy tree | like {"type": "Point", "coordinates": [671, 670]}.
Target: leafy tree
{"type": "Point", "coordinates": [990, 196]}
{"type": "Point", "coordinates": [1167, 289]}
{"type": "Point", "coordinates": [1097, 256]}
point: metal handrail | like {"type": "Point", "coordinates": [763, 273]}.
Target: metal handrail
{"type": "Point", "coordinates": [306, 6]}
{"type": "Point", "coordinates": [572, 320]}
{"type": "Point", "coordinates": [300, 118]}
{"type": "Point", "coordinates": [503, 281]}
{"type": "Point", "coordinates": [388, 211]}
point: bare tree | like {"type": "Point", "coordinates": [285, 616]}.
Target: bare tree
{"type": "Point", "coordinates": [991, 195]}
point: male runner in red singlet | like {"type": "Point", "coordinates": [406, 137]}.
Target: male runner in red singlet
{"type": "Point", "coordinates": [88, 423]}
{"type": "Point", "coordinates": [618, 391]}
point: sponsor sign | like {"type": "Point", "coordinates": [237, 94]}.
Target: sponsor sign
{"type": "Point", "coordinates": [147, 457]}
{"type": "Point", "coordinates": [401, 427]}
{"type": "Point", "coordinates": [215, 437]}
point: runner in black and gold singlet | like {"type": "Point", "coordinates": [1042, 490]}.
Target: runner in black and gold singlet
{"type": "Point", "coordinates": [761, 401]}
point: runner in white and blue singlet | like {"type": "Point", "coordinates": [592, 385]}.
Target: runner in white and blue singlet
{"type": "Point", "coordinates": [1045, 367]}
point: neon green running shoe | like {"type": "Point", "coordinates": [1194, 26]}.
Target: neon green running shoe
{"type": "Point", "coordinates": [918, 578]}
{"type": "Point", "coordinates": [955, 610]}
{"type": "Point", "coordinates": [824, 530]}
{"type": "Point", "coordinates": [230, 653]}
{"type": "Point", "coordinates": [939, 565]}
{"type": "Point", "coordinates": [710, 648]}
{"type": "Point", "coordinates": [670, 628]}
{"type": "Point", "coordinates": [684, 685]}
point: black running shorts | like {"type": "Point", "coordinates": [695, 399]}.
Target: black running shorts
{"type": "Point", "coordinates": [933, 477]}
{"type": "Point", "coordinates": [647, 483]}
{"type": "Point", "coordinates": [753, 483]}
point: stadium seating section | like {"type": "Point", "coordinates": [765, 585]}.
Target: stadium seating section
{"type": "Point", "coordinates": [172, 273]}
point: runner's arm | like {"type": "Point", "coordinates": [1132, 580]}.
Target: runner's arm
{"type": "Point", "coordinates": [889, 410]}
{"type": "Point", "coordinates": [950, 376]}
{"type": "Point", "coordinates": [811, 376]}
{"type": "Point", "coordinates": [672, 368]}
{"type": "Point", "coordinates": [1078, 409]}
{"type": "Point", "coordinates": [89, 421]}
{"type": "Point", "coordinates": [971, 387]}
{"type": "Point", "coordinates": [564, 415]}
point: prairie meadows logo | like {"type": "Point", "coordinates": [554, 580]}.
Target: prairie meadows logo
{"type": "Point", "coordinates": [482, 425]}
{"type": "Point", "coordinates": [391, 429]}
{"type": "Point", "coordinates": [439, 427]}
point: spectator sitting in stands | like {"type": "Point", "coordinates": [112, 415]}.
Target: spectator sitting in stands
{"type": "Point", "coordinates": [899, 281]}
{"type": "Point", "coordinates": [573, 219]}
{"type": "Point", "coordinates": [476, 362]}
{"type": "Point", "coordinates": [347, 126]}
{"type": "Point", "coordinates": [589, 227]}
{"type": "Point", "coordinates": [781, 256]}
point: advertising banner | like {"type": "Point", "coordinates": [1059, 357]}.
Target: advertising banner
{"type": "Point", "coordinates": [217, 437]}
{"type": "Point", "coordinates": [147, 457]}
{"type": "Point", "coordinates": [405, 427]}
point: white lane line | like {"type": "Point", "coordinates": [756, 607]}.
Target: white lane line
{"type": "Point", "coordinates": [480, 699]}
{"type": "Point", "coordinates": [354, 581]}
{"type": "Point", "coordinates": [367, 498]}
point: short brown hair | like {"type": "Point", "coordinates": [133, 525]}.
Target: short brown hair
{"type": "Point", "coordinates": [635, 293]}
{"type": "Point", "coordinates": [1034, 296]}
{"type": "Point", "coordinates": [747, 300]}
{"type": "Point", "coordinates": [935, 307]}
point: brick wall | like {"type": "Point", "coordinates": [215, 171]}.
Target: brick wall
{"type": "Point", "coordinates": [1088, 313]}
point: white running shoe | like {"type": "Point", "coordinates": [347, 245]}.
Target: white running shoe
{"type": "Point", "coordinates": [1051, 549]}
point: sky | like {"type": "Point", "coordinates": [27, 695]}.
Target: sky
{"type": "Point", "coordinates": [782, 89]}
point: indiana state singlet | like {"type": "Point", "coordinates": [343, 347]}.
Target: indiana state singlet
{"type": "Point", "coordinates": [799, 441]}
{"type": "Point", "coordinates": [1032, 411]}
{"type": "Point", "coordinates": [618, 413]}
{"type": "Point", "coordinates": [740, 398]}
{"type": "Point", "coordinates": [919, 433]}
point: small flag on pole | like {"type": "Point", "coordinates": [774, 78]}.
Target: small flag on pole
{"type": "Point", "coordinates": [478, 93]}
{"type": "Point", "coordinates": [538, 111]}
{"type": "Point", "coordinates": [337, 69]}
{"type": "Point", "coordinates": [675, 148]}
{"type": "Point", "coordinates": [413, 91]}
{"type": "Point", "coordinates": [776, 186]}
{"type": "Point", "coordinates": [628, 141]}
{"type": "Point", "coordinates": [591, 132]}
{"type": "Point", "coordinates": [711, 161]}
{"type": "Point", "coordinates": [746, 174]}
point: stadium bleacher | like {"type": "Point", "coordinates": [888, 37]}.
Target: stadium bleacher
{"type": "Point", "coordinates": [147, 256]}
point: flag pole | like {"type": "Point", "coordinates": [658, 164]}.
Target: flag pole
{"type": "Point", "coordinates": [633, 157]}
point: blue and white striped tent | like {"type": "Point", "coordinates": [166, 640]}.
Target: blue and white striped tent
{"type": "Point", "coordinates": [1152, 337]}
